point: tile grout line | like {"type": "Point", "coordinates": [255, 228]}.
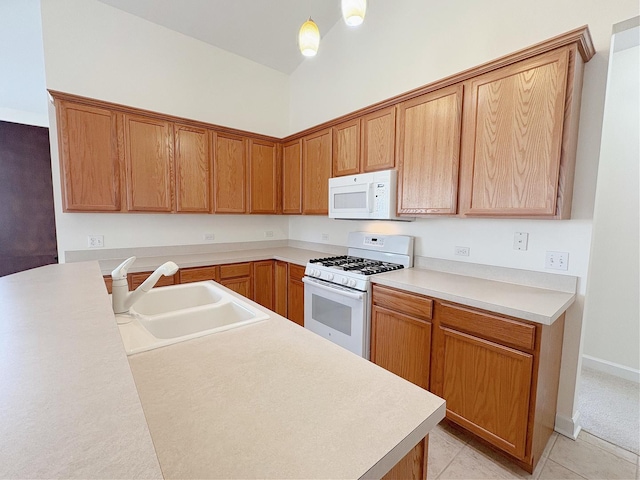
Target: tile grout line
{"type": "Point", "coordinates": [466, 444]}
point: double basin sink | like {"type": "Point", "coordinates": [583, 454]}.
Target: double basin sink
{"type": "Point", "coordinates": [168, 315]}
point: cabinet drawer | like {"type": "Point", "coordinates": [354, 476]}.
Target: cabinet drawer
{"type": "Point", "coordinates": [403, 302]}
{"type": "Point", "coordinates": [296, 272]}
{"type": "Point", "coordinates": [197, 274]}
{"type": "Point", "coordinates": [235, 270]}
{"type": "Point", "coordinates": [136, 279]}
{"type": "Point", "coordinates": [500, 329]}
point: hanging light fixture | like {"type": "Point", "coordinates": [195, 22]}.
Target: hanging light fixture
{"type": "Point", "coordinates": [353, 11]}
{"type": "Point", "coordinates": [309, 38]}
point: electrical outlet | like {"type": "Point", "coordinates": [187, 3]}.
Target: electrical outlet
{"type": "Point", "coordinates": [209, 237]}
{"type": "Point", "coordinates": [325, 237]}
{"type": "Point", "coordinates": [268, 234]}
{"type": "Point", "coordinates": [95, 241]}
{"type": "Point", "coordinates": [557, 260]}
{"type": "Point", "coordinates": [463, 251]}
{"type": "Point", "coordinates": [520, 240]}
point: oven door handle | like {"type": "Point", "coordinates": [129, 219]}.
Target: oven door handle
{"type": "Point", "coordinates": [355, 296]}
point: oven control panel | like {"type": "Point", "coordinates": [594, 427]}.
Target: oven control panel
{"type": "Point", "coordinates": [337, 278]}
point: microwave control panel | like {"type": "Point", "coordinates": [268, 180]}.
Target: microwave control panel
{"type": "Point", "coordinates": [381, 197]}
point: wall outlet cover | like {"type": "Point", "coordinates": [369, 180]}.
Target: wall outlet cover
{"type": "Point", "coordinates": [520, 240]}
{"type": "Point", "coordinates": [209, 237]}
{"type": "Point", "coordinates": [557, 261]}
{"type": "Point", "coordinates": [462, 251]}
{"type": "Point", "coordinates": [95, 241]}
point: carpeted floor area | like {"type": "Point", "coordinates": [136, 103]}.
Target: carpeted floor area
{"type": "Point", "coordinates": [610, 408]}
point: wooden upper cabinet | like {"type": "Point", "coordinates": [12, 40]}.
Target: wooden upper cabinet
{"type": "Point", "coordinates": [229, 173]}
{"type": "Point", "coordinates": [429, 151]}
{"type": "Point", "coordinates": [193, 169]}
{"type": "Point", "coordinates": [513, 138]}
{"type": "Point", "coordinates": [149, 164]}
{"type": "Point", "coordinates": [292, 177]}
{"type": "Point", "coordinates": [316, 170]}
{"type": "Point", "coordinates": [346, 148]}
{"type": "Point", "coordinates": [264, 177]}
{"type": "Point", "coordinates": [90, 158]}
{"type": "Point", "coordinates": [379, 140]}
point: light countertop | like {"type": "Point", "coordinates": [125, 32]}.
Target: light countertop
{"type": "Point", "coordinates": [535, 304]}
{"type": "Point", "coordinates": [297, 256]}
{"type": "Point", "coordinates": [265, 400]}
{"type": "Point", "coordinates": [273, 400]}
{"type": "Point", "coordinates": [68, 403]}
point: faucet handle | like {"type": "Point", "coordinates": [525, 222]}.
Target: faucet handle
{"type": "Point", "coordinates": [121, 270]}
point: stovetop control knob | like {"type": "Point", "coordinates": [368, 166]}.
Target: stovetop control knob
{"type": "Point", "coordinates": [352, 283]}
{"type": "Point", "coordinates": [329, 276]}
{"type": "Point", "coordinates": [316, 273]}
{"type": "Point", "coordinates": [345, 281]}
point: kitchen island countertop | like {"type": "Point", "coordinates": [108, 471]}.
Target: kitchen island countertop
{"type": "Point", "coordinates": [265, 400]}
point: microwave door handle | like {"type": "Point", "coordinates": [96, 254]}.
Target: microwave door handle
{"type": "Point", "coordinates": [355, 296]}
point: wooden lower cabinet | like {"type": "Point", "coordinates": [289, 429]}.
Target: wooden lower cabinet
{"type": "Point", "coordinates": [499, 376]}
{"type": "Point", "coordinates": [413, 465]}
{"type": "Point", "coordinates": [280, 281]}
{"type": "Point", "coordinates": [401, 334]}
{"type": "Point", "coordinates": [295, 294]}
{"type": "Point", "coordinates": [237, 277]}
{"type": "Point", "coordinates": [263, 283]}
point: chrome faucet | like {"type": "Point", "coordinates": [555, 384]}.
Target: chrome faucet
{"type": "Point", "coordinates": [121, 298]}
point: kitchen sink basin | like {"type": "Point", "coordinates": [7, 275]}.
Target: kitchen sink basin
{"type": "Point", "coordinates": [173, 314]}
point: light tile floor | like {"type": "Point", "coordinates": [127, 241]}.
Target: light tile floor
{"type": "Point", "coordinates": [457, 455]}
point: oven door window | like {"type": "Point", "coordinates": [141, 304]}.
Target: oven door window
{"type": "Point", "coordinates": [334, 315]}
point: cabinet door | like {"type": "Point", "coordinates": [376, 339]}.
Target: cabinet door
{"type": "Point", "coordinates": [281, 274]}
{"type": "Point", "coordinates": [89, 158]}
{"type": "Point", "coordinates": [428, 152]}
{"type": "Point", "coordinates": [513, 138]}
{"type": "Point", "coordinates": [316, 170]}
{"type": "Point", "coordinates": [193, 169]}
{"type": "Point", "coordinates": [401, 344]}
{"type": "Point", "coordinates": [295, 301]}
{"type": "Point", "coordinates": [149, 161]}
{"type": "Point", "coordinates": [292, 177]}
{"type": "Point", "coordinates": [487, 388]}
{"type": "Point", "coordinates": [264, 177]}
{"type": "Point", "coordinates": [263, 283]}
{"type": "Point", "coordinates": [229, 173]}
{"type": "Point", "coordinates": [379, 140]}
{"type": "Point", "coordinates": [239, 285]}
{"type": "Point", "coordinates": [346, 148]}
{"type": "Point", "coordinates": [237, 277]}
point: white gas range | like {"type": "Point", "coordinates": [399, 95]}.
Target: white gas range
{"type": "Point", "coordinates": [337, 290]}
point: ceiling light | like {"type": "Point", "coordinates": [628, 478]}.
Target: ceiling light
{"type": "Point", "coordinates": [309, 38]}
{"type": "Point", "coordinates": [353, 11]}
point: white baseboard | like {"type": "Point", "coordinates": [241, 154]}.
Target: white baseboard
{"type": "Point", "coordinates": [569, 427]}
{"type": "Point", "coordinates": [611, 368]}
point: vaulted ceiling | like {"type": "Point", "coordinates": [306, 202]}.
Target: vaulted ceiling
{"type": "Point", "coordinates": [264, 31]}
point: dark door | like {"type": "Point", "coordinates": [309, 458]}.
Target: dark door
{"type": "Point", "coordinates": [27, 221]}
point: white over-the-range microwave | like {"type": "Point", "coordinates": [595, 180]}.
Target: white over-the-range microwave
{"type": "Point", "coordinates": [366, 196]}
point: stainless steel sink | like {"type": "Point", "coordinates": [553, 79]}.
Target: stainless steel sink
{"type": "Point", "coordinates": [173, 314]}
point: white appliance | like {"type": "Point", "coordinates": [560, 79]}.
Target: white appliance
{"type": "Point", "coordinates": [370, 196]}
{"type": "Point", "coordinates": [337, 290]}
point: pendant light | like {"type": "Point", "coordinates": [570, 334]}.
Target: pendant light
{"type": "Point", "coordinates": [309, 38]}
{"type": "Point", "coordinates": [353, 11]}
